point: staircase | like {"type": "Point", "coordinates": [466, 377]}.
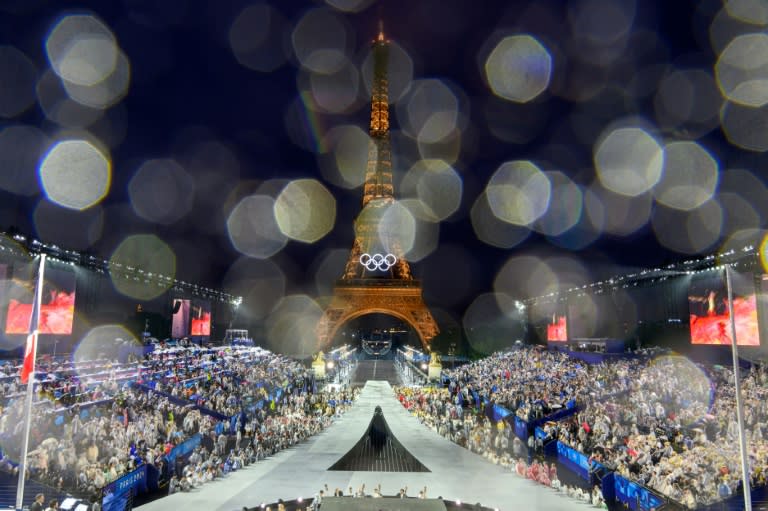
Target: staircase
{"type": "Point", "coordinates": [368, 370]}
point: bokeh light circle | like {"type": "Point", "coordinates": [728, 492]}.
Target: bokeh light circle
{"type": "Point", "coordinates": [161, 191]}
{"type": "Point", "coordinates": [328, 267]}
{"type": "Point", "coordinates": [291, 326]}
{"type": "Point", "coordinates": [149, 254]}
{"type": "Point", "coordinates": [253, 229]}
{"type": "Point", "coordinates": [628, 161]}
{"type": "Point", "coordinates": [614, 213]}
{"type": "Point", "coordinates": [75, 174]}
{"type": "Point", "coordinates": [336, 92]}
{"type": "Point", "coordinates": [107, 342]}
{"type": "Point", "coordinates": [256, 38]}
{"type": "Point", "coordinates": [487, 325]}
{"type": "Point", "coordinates": [519, 68]}
{"type": "Point", "coordinates": [427, 231]}
{"type": "Point", "coordinates": [21, 150]}
{"type": "Point", "coordinates": [66, 227]}
{"type": "Point", "coordinates": [688, 232]}
{"type": "Point", "coordinates": [349, 152]}
{"type": "Point", "coordinates": [690, 176]}
{"type": "Point", "coordinates": [603, 23]}
{"type": "Point", "coordinates": [565, 205]}
{"type": "Point", "coordinates": [396, 227]}
{"type": "Point", "coordinates": [430, 111]}
{"type": "Point", "coordinates": [399, 72]}
{"type": "Point", "coordinates": [742, 70]}
{"type": "Point", "coordinates": [675, 375]}
{"type": "Point", "coordinates": [349, 5]}
{"type": "Point", "coordinates": [320, 40]}
{"type": "Point", "coordinates": [437, 185]}
{"type": "Point", "coordinates": [754, 12]}
{"type": "Point", "coordinates": [18, 77]}
{"type": "Point", "coordinates": [519, 192]}
{"type": "Point", "coordinates": [745, 127]}
{"type": "Point", "coordinates": [305, 210]}
{"type": "Point", "coordinates": [260, 282]}
{"type": "Point", "coordinates": [105, 93]}
{"type": "Point", "coordinates": [60, 108]}
{"type": "Point", "coordinates": [491, 230]}
{"type": "Point", "coordinates": [688, 101]}
{"type": "Point", "coordinates": [526, 276]}
{"type": "Point", "coordinates": [82, 49]}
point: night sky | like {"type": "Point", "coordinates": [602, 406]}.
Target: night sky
{"type": "Point", "coordinates": [232, 119]}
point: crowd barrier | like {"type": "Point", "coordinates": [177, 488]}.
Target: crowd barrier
{"type": "Point", "coordinates": [117, 495]}
{"type": "Point", "coordinates": [83, 407]}
{"type": "Point", "coordinates": [498, 413]}
{"type": "Point", "coordinates": [184, 448]}
{"type": "Point", "coordinates": [550, 449]}
{"type": "Point", "coordinates": [576, 461]}
{"type": "Point", "coordinates": [614, 487]}
{"type": "Point", "coordinates": [635, 496]}
{"type": "Point", "coordinates": [523, 429]}
{"type": "Point", "coordinates": [183, 402]}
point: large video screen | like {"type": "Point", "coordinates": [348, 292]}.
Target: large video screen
{"type": "Point", "coordinates": [708, 304]}
{"type": "Point", "coordinates": [57, 310]}
{"type": "Point", "coordinates": [557, 329]}
{"type": "Point", "coordinates": [595, 316]}
{"type": "Point", "coordinates": [180, 319]}
{"type": "Point", "coordinates": [201, 317]}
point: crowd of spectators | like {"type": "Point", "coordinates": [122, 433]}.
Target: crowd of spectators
{"type": "Point", "coordinates": [535, 383]}
{"type": "Point", "coordinates": [245, 404]}
{"type": "Point", "coordinates": [66, 383]}
{"type": "Point", "coordinates": [661, 421]}
{"type": "Point", "coordinates": [675, 431]}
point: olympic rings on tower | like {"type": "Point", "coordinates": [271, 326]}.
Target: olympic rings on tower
{"type": "Point", "coordinates": [378, 261]}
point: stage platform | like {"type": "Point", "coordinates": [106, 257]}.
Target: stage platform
{"type": "Point", "coordinates": [382, 504]}
{"type": "Point", "coordinates": [455, 473]}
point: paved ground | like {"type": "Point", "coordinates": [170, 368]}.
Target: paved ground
{"type": "Point", "coordinates": [455, 473]}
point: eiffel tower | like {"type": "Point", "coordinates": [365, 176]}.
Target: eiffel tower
{"type": "Point", "coordinates": [377, 277]}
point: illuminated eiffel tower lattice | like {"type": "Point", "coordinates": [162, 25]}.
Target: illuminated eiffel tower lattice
{"type": "Point", "coordinates": [377, 278]}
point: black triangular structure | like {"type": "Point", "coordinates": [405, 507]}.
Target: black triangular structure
{"type": "Point", "coordinates": [379, 451]}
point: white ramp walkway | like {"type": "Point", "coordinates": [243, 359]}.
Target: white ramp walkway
{"type": "Point", "coordinates": [456, 473]}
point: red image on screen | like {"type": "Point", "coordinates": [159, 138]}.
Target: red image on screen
{"type": "Point", "coordinates": [201, 319]}
{"type": "Point", "coordinates": [710, 320]}
{"type": "Point", "coordinates": [57, 309]}
{"type": "Point", "coordinates": [557, 329]}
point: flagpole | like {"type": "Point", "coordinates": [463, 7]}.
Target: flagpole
{"type": "Point", "coordinates": [739, 405]}
{"type": "Point", "coordinates": [34, 330]}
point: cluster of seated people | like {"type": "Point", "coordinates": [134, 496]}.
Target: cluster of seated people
{"type": "Point", "coordinates": [535, 383]}
{"type": "Point", "coordinates": [675, 431]}
{"type": "Point", "coordinates": [547, 476]}
{"type": "Point", "coordinates": [661, 421]}
{"type": "Point", "coordinates": [256, 403]}
{"type": "Point", "coordinates": [66, 383]}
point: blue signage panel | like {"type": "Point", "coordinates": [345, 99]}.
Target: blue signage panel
{"type": "Point", "coordinates": [521, 428]}
{"type": "Point", "coordinates": [499, 413]}
{"type": "Point", "coordinates": [635, 496]}
{"type": "Point", "coordinates": [116, 495]}
{"type": "Point", "coordinates": [573, 459]}
{"type": "Point", "coordinates": [184, 448]}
